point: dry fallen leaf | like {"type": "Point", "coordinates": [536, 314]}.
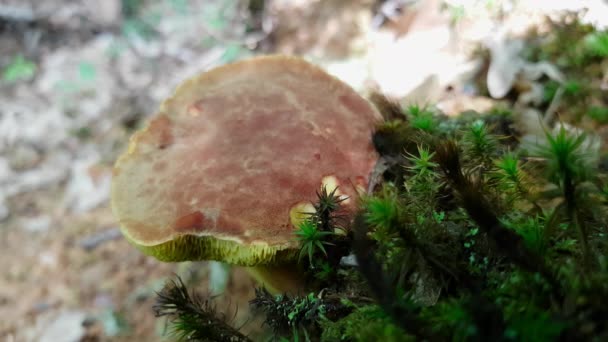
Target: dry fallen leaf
{"type": "Point", "coordinates": [507, 66]}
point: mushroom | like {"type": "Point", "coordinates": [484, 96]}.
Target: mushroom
{"type": "Point", "coordinates": [230, 162]}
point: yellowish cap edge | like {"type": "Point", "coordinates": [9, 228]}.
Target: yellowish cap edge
{"type": "Point", "coordinates": [194, 248]}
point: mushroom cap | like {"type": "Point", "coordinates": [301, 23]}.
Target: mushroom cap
{"type": "Point", "coordinates": [223, 170]}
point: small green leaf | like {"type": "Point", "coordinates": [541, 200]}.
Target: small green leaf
{"type": "Point", "coordinates": [87, 71]}
{"type": "Point", "coordinates": [20, 69]}
{"type": "Point", "coordinates": [311, 239]}
{"type": "Point", "coordinates": [320, 245]}
{"type": "Point", "coordinates": [232, 53]}
{"type": "Point", "coordinates": [422, 118]}
{"type": "Point", "coordinates": [439, 216]}
{"type": "Point", "coordinates": [599, 114]}
{"type": "Point", "coordinates": [596, 44]}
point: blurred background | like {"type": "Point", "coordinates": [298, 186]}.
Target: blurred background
{"type": "Point", "coordinates": [77, 77]}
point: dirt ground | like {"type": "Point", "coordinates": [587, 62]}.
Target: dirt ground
{"type": "Point", "coordinates": [80, 76]}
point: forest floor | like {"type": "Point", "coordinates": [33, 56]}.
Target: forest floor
{"type": "Point", "coordinates": [78, 77]}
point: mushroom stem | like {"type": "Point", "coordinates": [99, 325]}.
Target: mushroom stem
{"type": "Point", "coordinates": [279, 279]}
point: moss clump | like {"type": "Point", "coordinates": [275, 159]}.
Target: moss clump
{"type": "Point", "coordinates": [368, 323]}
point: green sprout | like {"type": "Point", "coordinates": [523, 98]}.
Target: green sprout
{"type": "Point", "coordinates": [568, 166]}
{"type": "Point", "coordinates": [422, 165]}
{"type": "Point", "coordinates": [382, 212]}
{"type": "Point", "coordinates": [566, 162]}
{"type": "Point", "coordinates": [531, 229]}
{"type": "Point", "coordinates": [325, 209]}
{"type": "Point", "coordinates": [509, 174]}
{"type": "Point", "coordinates": [20, 69]}
{"type": "Point", "coordinates": [328, 201]}
{"type": "Point", "coordinates": [479, 142]}
{"type": "Point", "coordinates": [422, 118]}
{"type": "Point", "coordinates": [508, 165]}
{"type": "Point", "coordinates": [423, 185]}
{"type": "Point", "coordinates": [325, 271]}
{"type": "Point", "coordinates": [311, 239]}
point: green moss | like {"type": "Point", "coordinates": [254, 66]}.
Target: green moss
{"type": "Point", "coordinates": [422, 118]}
{"type": "Point", "coordinates": [392, 137]}
{"type": "Point", "coordinates": [596, 44]}
{"type": "Point", "coordinates": [599, 114]}
{"type": "Point", "coordinates": [368, 323]}
{"type": "Point", "coordinates": [19, 69]}
{"type": "Point", "coordinates": [534, 325]}
{"type": "Point", "coordinates": [451, 318]}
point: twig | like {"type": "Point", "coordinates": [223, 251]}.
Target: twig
{"type": "Point", "coordinates": [91, 242]}
{"type": "Point", "coordinates": [550, 112]}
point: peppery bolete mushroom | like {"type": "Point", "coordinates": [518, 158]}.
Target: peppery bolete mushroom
{"type": "Point", "coordinates": [226, 167]}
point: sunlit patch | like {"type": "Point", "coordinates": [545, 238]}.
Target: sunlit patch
{"type": "Point", "coordinates": [300, 212]}
{"type": "Point", "coordinates": [132, 147]}
{"type": "Point", "coordinates": [331, 183]}
{"type": "Point", "coordinates": [195, 110]}
{"type": "Point", "coordinates": [361, 190]}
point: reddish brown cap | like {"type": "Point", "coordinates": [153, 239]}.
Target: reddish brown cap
{"type": "Point", "coordinates": [230, 159]}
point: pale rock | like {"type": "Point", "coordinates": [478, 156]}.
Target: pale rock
{"type": "Point", "coordinates": [87, 189]}
{"type": "Point", "coordinates": [52, 171]}
{"type": "Point", "coordinates": [23, 157]}
{"type": "Point", "coordinates": [66, 327]}
{"type": "Point", "coordinates": [505, 65]}
{"type": "Point", "coordinates": [349, 260]}
{"type": "Point", "coordinates": [36, 224]}
{"type": "Point", "coordinates": [107, 12]}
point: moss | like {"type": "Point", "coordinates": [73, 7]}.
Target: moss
{"type": "Point", "coordinates": [392, 137]}
{"type": "Point", "coordinates": [367, 323]}
{"type": "Point", "coordinates": [599, 114]}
